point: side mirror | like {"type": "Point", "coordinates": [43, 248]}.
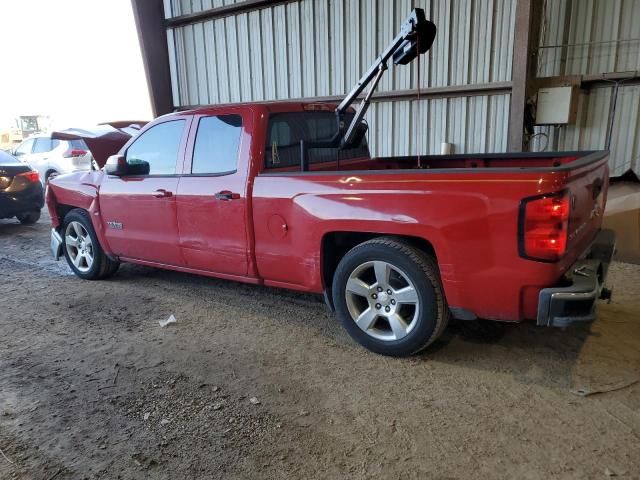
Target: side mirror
{"type": "Point", "coordinates": [138, 167]}
{"type": "Point", "coordinates": [357, 136]}
{"type": "Point", "coordinates": [116, 165]}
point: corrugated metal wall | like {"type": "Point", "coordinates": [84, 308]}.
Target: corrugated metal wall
{"type": "Point", "coordinates": [590, 130]}
{"type": "Point", "coordinates": [473, 124]}
{"type": "Point", "coordinates": [596, 36]}
{"type": "Point", "coordinates": [590, 36]}
{"type": "Point", "coordinates": [310, 48]}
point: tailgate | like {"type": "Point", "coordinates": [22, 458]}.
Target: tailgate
{"type": "Point", "coordinates": [587, 187]}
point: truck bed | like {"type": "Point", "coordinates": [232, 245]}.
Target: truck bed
{"type": "Point", "coordinates": [466, 162]}
{"type": "Point", "coordinates": [468, 207]}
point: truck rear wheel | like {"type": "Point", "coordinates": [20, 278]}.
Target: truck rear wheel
{"type": "Point", "coordinates": [389, 297]}
{"type": "Point", "coordinates": [82, 249]}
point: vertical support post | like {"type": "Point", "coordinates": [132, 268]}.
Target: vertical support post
{"type": "Point", "coordinates": [152, 35]}
{"type": "Point", "coordinates": [525, 53]}
{"type": "Point", "coordinates": [304, 156]}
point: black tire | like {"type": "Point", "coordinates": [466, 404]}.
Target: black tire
{"type": "Point", "coordinates": [421, 269]}
{"type": "Point", "coordinates": [102, 266]}
{"type": "Point", "coordinates": [111, 267]}
{"type": "Point", "coordinates": [29, 218]}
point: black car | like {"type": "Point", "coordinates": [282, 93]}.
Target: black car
{"type": "Point", "coordinates": [21, 193]}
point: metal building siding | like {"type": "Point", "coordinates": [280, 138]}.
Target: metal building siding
{"type": "Point", "coordinates": [312, 48]}
{"type": "Point", "coordinates": [323, 46]}
{"type": "Point", "coordinates": [600, 36]}
{"type": "Point", "coordinates": [408, 127]}
{"type": "Point", "coordinates": [589, 133]}
{"type": "Point", "coordinates": [603, 36]}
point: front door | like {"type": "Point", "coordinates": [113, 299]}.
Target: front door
{"type": "Point", "coordinates": [139, 211]}
{"type": "Point", "coordinates": [212, 195]}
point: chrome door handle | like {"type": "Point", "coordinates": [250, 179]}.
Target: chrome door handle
{"type": "Point", "coordinates": [227, 195]}
{"type": "Point", "coordinates": [162, 193]}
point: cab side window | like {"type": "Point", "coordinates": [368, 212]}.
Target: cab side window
{"type": "Point", "coordinates": [217, 144]}
{"type": "Point", "coordinates": [43, 145]}
{"type": "Point", "coordinates": [159, 147]}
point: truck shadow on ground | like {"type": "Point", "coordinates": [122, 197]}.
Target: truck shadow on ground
{"type": "Point", "coordinates": [546, 356]}
{"type": "Point", "coordinates": [585, 358]}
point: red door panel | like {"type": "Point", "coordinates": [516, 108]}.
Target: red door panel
{"type": "Point", "coordinates": [211, 201]}
{"type": "Point", "coordinates": [140, 217]}
{"type": "Point", "coordinates": [212, 230]}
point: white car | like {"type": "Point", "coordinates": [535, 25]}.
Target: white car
{"type": "Point", "coordinates": [51, 157]}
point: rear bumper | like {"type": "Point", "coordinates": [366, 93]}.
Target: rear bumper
{"type": "Point", "coordinates": [574, 300]}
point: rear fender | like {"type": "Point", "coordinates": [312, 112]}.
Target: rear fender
{"type": "Point", "coordinates": [385, 228]}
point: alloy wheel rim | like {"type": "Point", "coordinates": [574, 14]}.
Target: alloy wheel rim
{"type": "Point", "coordinates": [382, 300]}
{"type": "Point", "coordinates": [79, 246]}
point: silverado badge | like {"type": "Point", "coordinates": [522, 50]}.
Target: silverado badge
{"type": "Point", "coordinates": [116, 225]}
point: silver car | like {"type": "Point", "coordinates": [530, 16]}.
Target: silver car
{"type": "Point", "coordinates": [51, 157]}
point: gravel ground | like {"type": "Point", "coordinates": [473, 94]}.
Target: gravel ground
{"type": "Point", "coordinates": [253, 382]}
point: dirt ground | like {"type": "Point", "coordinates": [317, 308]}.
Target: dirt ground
{"type": "Point", "coordinates": [256, 383]}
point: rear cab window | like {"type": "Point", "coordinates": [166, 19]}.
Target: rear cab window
{"type": "Point", "coordinates": [286, 130]}
{"type": "Point", "coordinates": [158, 146]}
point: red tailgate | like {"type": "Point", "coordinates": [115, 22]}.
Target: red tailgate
{"type": "Point", "coordinates": [587, 187]}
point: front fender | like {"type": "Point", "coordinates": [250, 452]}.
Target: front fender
{"type": "Point", "coordinates": [77, 190]}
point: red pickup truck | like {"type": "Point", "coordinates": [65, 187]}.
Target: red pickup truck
{"type": "Point", "coordinates": [263, 193]}
{"type": "Point", "coordinates": [395, 244]}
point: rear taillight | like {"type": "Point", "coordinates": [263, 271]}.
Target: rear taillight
{"type": "Point", "coordinates": [544, 223]}
{"type": "Point", "coordinates": [74, 152]}
{"type": "Point", "coordinates": [31, 176]}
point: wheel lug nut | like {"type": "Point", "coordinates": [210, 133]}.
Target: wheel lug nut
{"type": "Point", "coordinates": [379, 289]}
{"type": "Point", "coordinates": [387, 309]}
{"type": "Point", "coordinates": [389, 291]}
{"type": "Point", "coordinates": [378, 306]}
{"type": "Point", "coordinates": [393, 302]}
{"type": "Point", "coordinates": [374, 296]}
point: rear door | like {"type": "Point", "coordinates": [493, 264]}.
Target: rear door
{"type": "Point", "coordinates": [139, 211]}
{"type": "Point", "coordinates": [212, 199]}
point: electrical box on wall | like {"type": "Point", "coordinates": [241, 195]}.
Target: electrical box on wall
{"type": "Point", "coordinates": [557, 106]}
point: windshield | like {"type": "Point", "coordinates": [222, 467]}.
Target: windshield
{"type": "Point", "coordinates": [287, 129]}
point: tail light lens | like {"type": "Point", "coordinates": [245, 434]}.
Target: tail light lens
{"type": "Point", "coordinates": [544, 225]}
{"type": "Point", "coordinates": [74, 152]}
{"type": "Point", "coordinates": [31, 176]}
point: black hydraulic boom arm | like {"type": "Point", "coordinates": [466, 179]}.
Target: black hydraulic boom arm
{"type": "Point", "coordinates": [415, 38]}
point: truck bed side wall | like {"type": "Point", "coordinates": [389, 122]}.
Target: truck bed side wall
{"type": "Point", "coordinates": [471, 220]}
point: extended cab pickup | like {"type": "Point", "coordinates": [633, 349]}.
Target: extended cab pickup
{"type": "Point", "coordinates": [286, 194]}
{"type": "Point", "coordinates": [394, 243]}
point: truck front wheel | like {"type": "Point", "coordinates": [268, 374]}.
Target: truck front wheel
{"type": "Point", "coordinates": [82, 249]}
{"type": "Point", "coordinates": [389, 297]}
